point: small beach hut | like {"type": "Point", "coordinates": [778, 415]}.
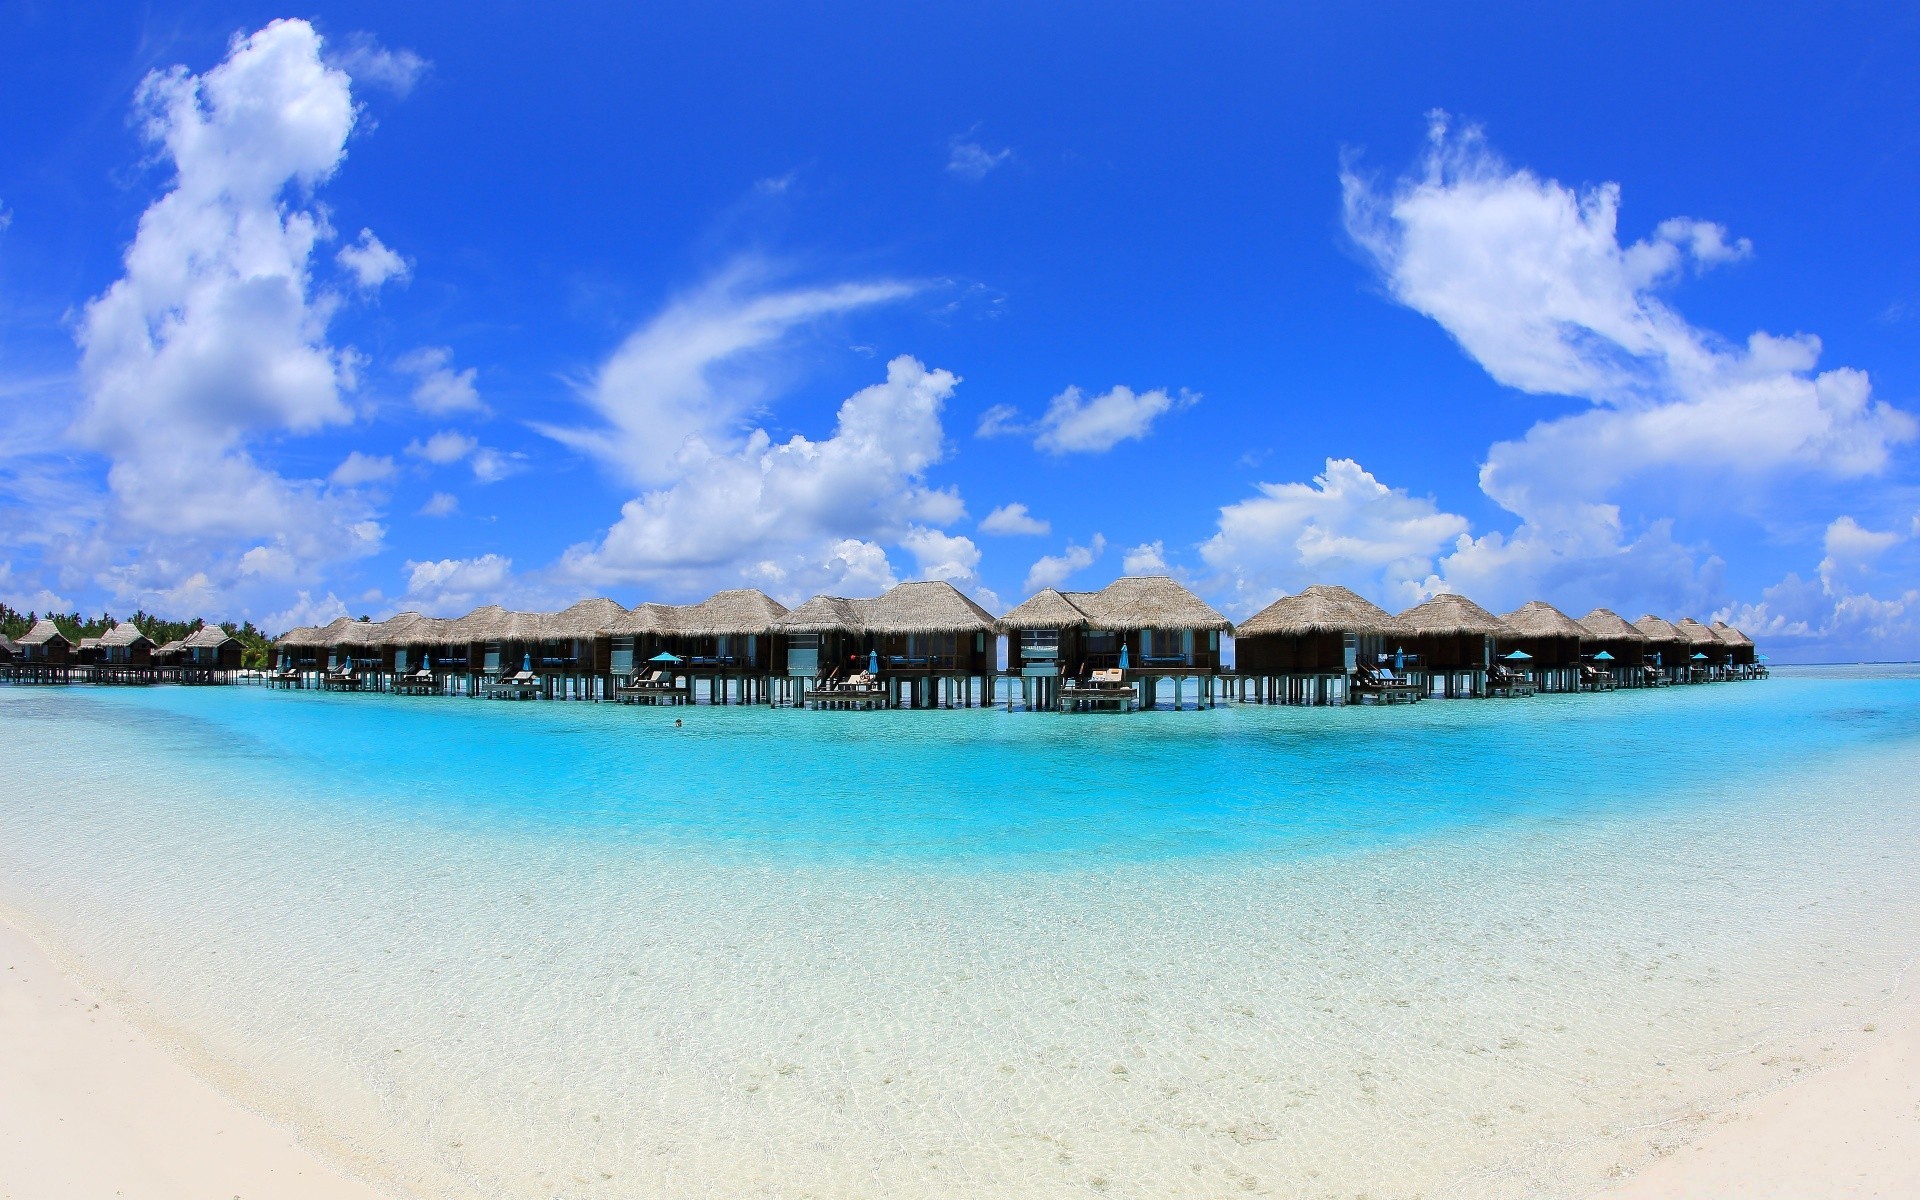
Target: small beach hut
{"type": "Point", "coordinates": [1451, 642]}
{"type": "Point", "coordinates": [1666, 648]}
{"type": "Point", "coordinates": [1607, 633]}
{"type": "Point", "coordinates": [172, 653]}
{"type": "Point", "coordinates": [1550, 639]}
{"type": "Point", "coordinates": [44, 645]}
{"type": "Point", "coordinates": [9, 649]}
{"type": "Point", "coordinates": [1305, 648]}
{"type": "Point", "coordinates": [576, 648]}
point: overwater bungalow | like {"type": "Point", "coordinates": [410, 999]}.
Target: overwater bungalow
{"type": "Point", "coordinates": [171, 654]}
{"type": "Point", "coordinates": [1043, 632]}
{"type": "Point", "coordinates": [924, 645]}
{"type": "Point", "coordinates": [1613, 647]}
{"type": "Point", "coordinates": [1743, 660]}
{"type": "Point", "coordinates": [1307, 648]}
{"type": "Point", "coordinates": [574, 659]}
{"type": "Point", "coordinates": [212, 655]}
{"type": "Point", "coordinates": [1147, 627]}
{"type": "Point", "coordinates": [1450, 643]}
{"type": "Point", "coordinates": [42, 655]}
{"type": "Point", "coordinates": [126, 646]}
{"type": "Point", "coordinates": [9, 650]}
{"type": "Point", "coordinates": [86, 651]}
{"type": "Point", "coordinates": [1551, 641]}
{"type": "Point", "coordinates": [1707, 655]}
{"type": "Point", "coordinates": [1666, 649]}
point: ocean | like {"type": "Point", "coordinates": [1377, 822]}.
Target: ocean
{"type": "Point", "coordinates": [1486, 949]}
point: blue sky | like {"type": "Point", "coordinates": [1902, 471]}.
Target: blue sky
{"type": "Point", "coordinates": [360, 308]}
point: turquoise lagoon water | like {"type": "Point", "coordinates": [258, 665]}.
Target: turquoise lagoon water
{"type": "Point", "coordinates": [1474, 949]}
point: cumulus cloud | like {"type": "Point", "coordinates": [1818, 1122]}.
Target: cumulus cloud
{"type": "Point", "coordinates": [365, 59]}
{"type": "Point", "coordinates": [1148, 558]}
{"type": "Point", "coordinates": [371, 263]}
{"type": "Point", "coordinates": [443, 448]}
{"type": "Point", "coordinates": [688, 378]}
{"type": "Point", "coordinates": [439, 388]}
{"type": "Point", "coordinates": [1531, 278]}
{"type": "Point", "coordinates": [455, 586]}
{"type": "Point", "coordinates": [440, 504]}
{"type": "Point", "coordinates": [1052, 570]}
{"type": "Point", "coordinates": [1344, 527]}
{"type": "Point", "coordinates": [358, 469]}
{"type": "Point", "coordinates": [305, 610]}
{"type": "Point", "coordinates": [1076, 423]}
{"type": "Point", "coordinates": [214, 336]}
{"type": "Point", "coordinates": [1014, 520]}
{"type": "Point", "coordinates": [795, 516]}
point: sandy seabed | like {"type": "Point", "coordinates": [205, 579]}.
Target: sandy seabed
{"type": "Point", "coordinates": [93, 1106]}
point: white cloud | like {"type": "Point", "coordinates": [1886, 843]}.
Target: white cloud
{"type": "Point", "coordinates": [305, 610]}
{"type": "Point", "coordinates": [685, 380]}
{"type": "Point", "coordinates": [1077, 424]}
{"type": "Point", "coordinates": [794, 516]}
{"type": "Point", "coordinates": [358, 469]}
{"type": "Point", "coordinates": [1052, 570]}
{"type": "Point", "coordinates": [456, 586]}
{"type": "Point", "coordinates": [364, 59]}
{"type": "Point", "coordinates": [371, 262]}
{"type": "Point", "coordinates": [491, 466]}
{"type": "Point", "coordinates": [1014, 520]}
{"type": "Point", "coordinates": [1836, 615]}
{"type": "Point", "coordinates": [1148, 558]}
{"type": "Point", "coordinates": [213, 338]}
{"type": "Point", "coordinates": [943, 555]}
{"type": "Point", "coordinates": [1000, 420]}
{"type": "Point", "coordinates": [1344, 527]}
{"type": "Point", "coordinates": [440, 504]}
{"type": "Point", "coordinates": [440, 389]}
{"type": "Point", "coordinates": [971, 161]}
{"type": "Point", "coordinates": [1851, 552]}
{"type": "Point", "coordinates": [1531, 278]}
{"type": "Point", "coordinates": [443, 448]}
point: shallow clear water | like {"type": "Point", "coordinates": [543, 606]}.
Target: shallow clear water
{"type": "Point", "coordinates": [569, 950]}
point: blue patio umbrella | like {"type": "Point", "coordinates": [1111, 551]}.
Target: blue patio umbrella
{"type": "Point", "coordinates": [1123, 656]}
{"type": "Point", "coordinates": [426, 663]}
{"type": "Point", "coordinates": [1764, 658]}
{"type": "Point", "coordinates": [1603, 656]}
{"type": "Point", "coordinates": [1699, 658]}
{"type": "Point", "coordinates": [1516, 655]}
{"type": "Point", "coordinates": [873, 662]}
{"type": "Point", "coordinates": [664, 657]}
{"type": "Point", "coordinates": [526, 662]}
{"type": "Point", "coordinates": [1399, 659]}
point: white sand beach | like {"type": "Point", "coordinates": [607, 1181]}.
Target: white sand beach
{"type": "Point", "coordinates": [90, 1106]}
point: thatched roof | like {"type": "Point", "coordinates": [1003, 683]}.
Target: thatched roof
{"type": "Point", "coordinates": [1322, 608]}
{"type": "Point", "coordinates": [589, 618]}
{"type": "Point", "coordinates": [208, 637]}
{"type": "Point", "coordinates": [931, 606]}
{"type": "Point", "coordinates": [1658, 630]}
{"type": "Point", "coordinates": [1538, 619]}
{"type": "Point", "coordinates": [1606, 625]}
{"type": "Point", "coordinates": [89, 643]}
{"type": "Point", "coordinates": [734, 611]}
{"type": "Point", "coordinates": [1696, 633]}
{"type": "Point", "coordinates": [1449, 614]}
{"type": "Point", "coordinates": [43, 632]}
{"type": "Point", "coordinates": [824, 614]}
{"type": "Point", "coordinates": [123, 634]}
{"type": "Point", "coordinates": [1045, 609]}
{"type": "Point", "coordinates": [1730, 635]}
{"type": "Point", "coordinates": [1146, 602]}
{"type": "Point", "coordinates": [179, 644]}
{"type": "Point", "coordinates": [8, 645]}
